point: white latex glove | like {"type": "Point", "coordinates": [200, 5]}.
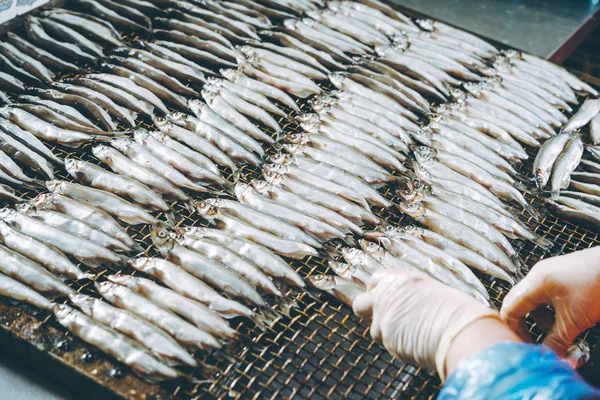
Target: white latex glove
{"type": "Point", "coordinates": [571, 285]}
{"type": "Point", "coordinates": [417, 317]}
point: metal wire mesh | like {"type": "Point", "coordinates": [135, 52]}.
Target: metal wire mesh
{"type": "Point", "coordinates": [314, 347]}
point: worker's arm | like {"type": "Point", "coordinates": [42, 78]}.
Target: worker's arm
{"type": "Point", "coordinates": [424, 322]}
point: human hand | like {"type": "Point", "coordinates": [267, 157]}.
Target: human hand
{"type": "Point", "coordinates": [417, 317]}
{"type": "Point", "coordinates": [571, 285]}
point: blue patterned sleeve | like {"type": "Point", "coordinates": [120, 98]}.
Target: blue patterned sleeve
{"type": "Point", "coordinates": [511, 371]}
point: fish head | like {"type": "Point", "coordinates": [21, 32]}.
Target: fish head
{"type": "Point", "coordinates": [311, 127]}
{"type": "Point", "coordinates": [512, 54]}
{"type": "Point", "coordinates": [337, 79]}
{"type": "Point", "coordinates": [421, 170]}
{"type": "Point", "coordinates": [297, 138]}
{"type": "Point", "coordinates": [473, 88]}
{"type": "Point", "coordinates": [205, 209]}
{"type": "Point", "coordinates": [72, 165]}
{"type": "Point", "coordinates": [413, 196]}
{"type": "Point", "coordinates": [321, 103]}
{"type": "Point", "coordinates": [214, 81]}
{"type": "Point", "coordinates": [423, 135]}
{"type": "Point", "coordinates": [163, 237]}
{"type": "Point", "coordinates": [492, 81]}
{"type": "Point", "coordinates": [487, 71]}
{"type": "Point", "coordinates": [261, 186]}
{"type": "Point", "coordinates": [123, 280]}
{"type": "Point", "coordinates": [273, 177]}
{"type": "Point", "coordinates": [241, 189]}
{"type": "Point", "coordinates": [106, 289]}
{"type": "Point", "coordinates": [64, 313]}
{"type": "Point", "coordinates": [196, 105]}
{"type": "Point", "coordinates": [372, 248]}
{"type": "Point", "coordinates": [458, 95]}
{"type": "Point", "coordinates": [294, 148]}
{"type": "Point", "coordinates": [41, 200]}
{"type": "Point", "coordinates": [54, 186]}
{"type": "Point", "coordinates": [393, 231]}
{"type": "Point", "coordinates": [414, 210]}
{"type": "Point", "coordinates": [323, 282]}
{"type": "Point", "coordinates": [541, 178]}
{"type": "Point", "coordinates": [414, 230]}
{"type": "Point", "coordinates": [400, 43]}
{"type": "Point", "coordinates": [176, 117]}
{"type": "Point", "coordinates": [7, 214]}
{"type": "Point", "coordinates": [100, 151]}
{"type": "Point", "coordinates": [122, 143]}
{"type": "Point", "coordinates": [373, 235]}
{"type": "Point", "coordinates": [141, 264]}
{"type": "Point", "coordinates": [209, 96]}
{"type": "Point", "coordinates": [83, 302]}
{"type": "Point", "coordinates": [307, 118]}
{"type": "Point", "coordinates": [341, 269]}
{"type": "Point", "coordinates": [281, 158]}
{"type": "Point", "coordinates": [352, 255]}
{"type": "Point", "coordinates": [246, 49]}
{"type": "Point", "coordinates": [426, 24]}
{"type": "Point", "coordinates": [231, 74]}
{"type": "Point", "coordinates": [5, 112]}
{"type": "Point", "coordinates": [423, 153]}
{"type": "Point", "coordinates": [275, 169]}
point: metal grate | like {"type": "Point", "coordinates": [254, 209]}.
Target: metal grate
{"type": "Point", "coordinates": [314, 347]}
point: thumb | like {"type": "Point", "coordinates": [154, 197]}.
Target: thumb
{"type": "Point", "coordinates": [561, 336]}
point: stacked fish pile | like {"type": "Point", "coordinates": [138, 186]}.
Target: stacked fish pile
{"type": "Point", "coordinates": [419, 109]}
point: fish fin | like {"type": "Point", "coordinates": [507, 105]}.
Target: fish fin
{"type": "Point", "coordinates": [171, 217]}
{"type": "Point", "coordinates": [532, 211]}
{"type": "Point", "coordinates": [521, 186]}
{"type": "Point", "coordinates": [554, 195]}
{"type": "Point", "coordinates": [262, 320]}
{"type": "Point", "coordinates": [189, 206]}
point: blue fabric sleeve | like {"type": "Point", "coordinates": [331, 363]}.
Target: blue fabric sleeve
{"type": "Point", "coordinates": [511, 371]}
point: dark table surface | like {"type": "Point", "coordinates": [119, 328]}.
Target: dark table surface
{"type": "Point", "coordinates": [547, 28]}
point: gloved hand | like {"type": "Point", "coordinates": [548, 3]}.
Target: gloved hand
{"type": "Point", "coordinates": [571, 285]}
{"type": "Point", "coordinates": [417, 317]}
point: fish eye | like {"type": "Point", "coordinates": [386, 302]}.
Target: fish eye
{"type": "Point", "coordinates": [162, 234]}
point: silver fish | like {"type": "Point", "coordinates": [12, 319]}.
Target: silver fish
{"type": "Point", "coordinates": [189, 286]}
{"type": "Point", "coordinates": [199, 144]}
{"type": "Point", "coordinates": [92, 216]}
{"type": "Point", "coordinates": [99, 29]}
{"type": "Point", "coordinates": [203, 112]}
{"type": "Point", "coordinates": [464, 254]}
{"type": "Point", "coordinates": [67, 34]}
{"type": "Point", "coordinates": [342, 289]}
{"type": "Point", "coordinates": [183, 164]}
{"type": "Point", "coordinates": [332, 174]}
{"type": "Point", "coordinates": [57, 119]}
{"type": "Point", "coordinates": [46, 131]}
{"type": "Point", "coordinates": [234, 226]}
{"type": "Point", "coordinates": [210, 271]}
{"type": "Point", "coordinates": [595, 129]}
{"type": "Point", "coordinates": [215, 251]}
{"type": "Point", "coordinates": [15, 290]}
{"type": "Point", "coordinates": [105, 201]}
{"type": "Point", "coordinates": [116, 345]}
{"type": "Point", "coordinates": [32, 142]}
{"type": "Point", "coordinates": [588, 110]}
{"type": "Point", "coordinates": [74, 226]}
{"type": "Point", "coordinates": [250, 96]}
{"type": "Point", "coordinates": [267, 90]}
{"type": "Point", "coordinates": [229, 113]}
{"type": "Point", "coordinates": [27, 62]}
{"type": "Point", "coordinates": [246, 108]}
{"type": "Point", "coordinates": [587, 218]}
{"type": "Point", "coordinates": [185, 151]}
{"type": "Point", "coordinates": [22, 269]}
{"type": "Point", "coordinates": [129, 324]}
{"type": "Point", "coordinates": [343, 207]}
{"type": "Point", "coordinates": [460, 233]}
{"type": "Point", "coordinates": [46, 57]}
{"type": "Point", "coordinates": [350, 272]}
{"type": "Point", "coordinates": [252, 69]}
{"type": "Point", "coordinates": [546, 158]}
{"type": "Point", "coordinates": [283, 61]}
{"type": "Point", "coordinates": [22, 152]}
{"type": "Point", "coordinates": [132, 88]}
{"type": "Point", "coordinates": [81, 249]}
{"type": "Point", "coordinates": [586, 177]}
{"type": "Point", "coordinates": [565, 165]}
{"type": "Point", "coordinates": [39, 36]}
{"type": "Point", "coordinates": [54, 260]}
{"type": "Point", "coordinates": [99, 178]}
{"type": "Point", "coordinates": [216, 136]}
{"type": "Point", "coordinates": [182, 331]}
{"type": "Point", "coordinates": [201, 316]}
{"type": "Point", "coordinates": [267, 223]}
{"type": "Point", "coordinates": [593, 199]}
{"type": "Point", "coordinates": [304, 206]}
{"type": "Point", "coordinates": [143, 157]}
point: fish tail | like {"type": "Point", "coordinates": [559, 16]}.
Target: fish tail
{"type": "Point", "coordinates": [521, 186]}
{"type": "Point", "coordinates": [554, 195]}
{"type": "Point", "coordinates": [171, 217]}
{"type": "Point", "coordinates": [532, 211]}
{"type": "Point", "coordinates": [544, 243]}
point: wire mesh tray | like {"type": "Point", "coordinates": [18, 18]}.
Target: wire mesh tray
{"type": "Point", "coordinates": [313, 348]}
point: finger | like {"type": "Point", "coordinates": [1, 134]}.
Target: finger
{"type": "Point", "coordinates": [525, 297]}
{"type": "Point", "coordinates": [376, 333]}
{"type": "Point", "coordinates": [363, 305]}
{"type": "Point", "coordinates": [561, 336]}
{"type": "Point", "coordinates": [377, 277]}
